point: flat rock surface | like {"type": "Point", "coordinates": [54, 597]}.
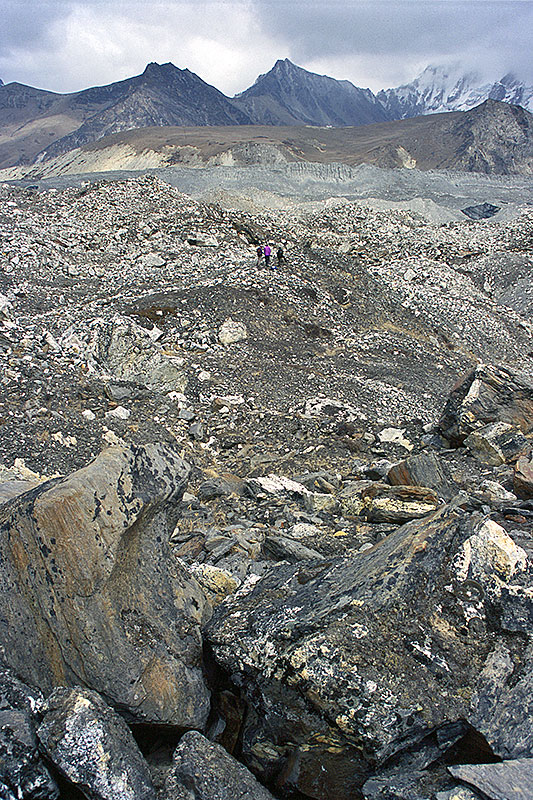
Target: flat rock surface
{"type": "Point", "coordinates": [511, 780]}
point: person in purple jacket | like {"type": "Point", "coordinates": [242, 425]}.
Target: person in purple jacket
{"type": "Point", "coordinates": [267, 250]}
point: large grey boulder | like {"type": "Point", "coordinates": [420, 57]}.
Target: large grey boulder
{"type": "Point", "coordinates": [488, 394]}
{"type": "Point", "coordinates": [203, 770]}
{"type": "Point", "coordinates": [93, 747]}
{"type": "Point", "coordinates": [89, 591]}
{"type": "Point", "coordinates": [352, 661]}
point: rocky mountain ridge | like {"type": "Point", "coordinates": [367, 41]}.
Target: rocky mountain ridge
{"type": "Point", "coordinates": [290, 95]}
{"type": "Point", "coordinates": [493, 138]}
{"type": "Point", "coordinates": [39, 125]}
{"type": "Point", "coordinates": [259, 504]}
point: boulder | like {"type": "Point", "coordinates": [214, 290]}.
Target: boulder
{"type": "Point", "coordinates": [129, 353]}
{"type": "Point", "coordinates": [231, 331]}
{"type": "Point", "coordinates": [423, 469]}
{"type": "Point", "coordinates": [23, 775]}
{"type": "Point", "coordinates": [397, 504]}
{"type": "Point", "coordinates": [497, 443]}
{"type": "Point", "coordinates": [89, 591]}
{"type": "Point", "coordinates": [351, 663]}
{"type": "Point", "coordinates": [203, 770]}
{"type": "Point", "coordinates": [523, 476]}
{"type": "Point", "coordinates": [487, 394]}
{"type": "Point", "coordinates": [93, 747]}
{"type": "Point", "coordinates": [512, 780]}
{"type": "Point", "coordinates": [282, 548]}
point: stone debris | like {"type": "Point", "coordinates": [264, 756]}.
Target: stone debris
{"type": "Point", "coordinates": [186, 434]}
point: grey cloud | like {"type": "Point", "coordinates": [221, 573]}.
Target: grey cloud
{"type": "Point", "coordinates": [399, 29]}
{"type": "Point", "coordinates": [24, 23]}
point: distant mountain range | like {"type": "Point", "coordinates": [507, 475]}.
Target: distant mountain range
{"type": "Point", "coordinates": [37, 125]}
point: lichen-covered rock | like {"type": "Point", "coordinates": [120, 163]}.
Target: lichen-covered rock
{"type": "Point", "coordinates": [399, 504]}
{"type": "Point", "coordinates": [203, 770]}
{"type": "Point", "coordinates": [488, 394]}
{"type": "Point", "coordinates": [90, 593]}
{"type": "Point", "coordinates": [23, 775]}
{"type": "Point", "coordinates": [93, 747]}
{"type": "Point", "coordinates": [350, 662]}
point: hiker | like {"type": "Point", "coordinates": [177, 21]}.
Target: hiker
{"type": "Point", "coordinates": [268, 252]}
{"type": "Point", "coordinates": [280, 255]}
{"type": "Point", "coordinates": [259, 252]}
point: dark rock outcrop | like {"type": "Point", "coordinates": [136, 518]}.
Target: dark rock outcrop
{"type": "Point", "coordinates": [290, 95]}
{"type": "Point", "coordinates": [90, 592]}
{"type": "Point", "coordinates": [23, 775]}
{"type": "Point", "coordinates": [512, 780]}
{"type": "Point", "coordinates": [487, 394]}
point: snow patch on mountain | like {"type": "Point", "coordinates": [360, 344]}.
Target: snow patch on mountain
{"type": "Point", "coordinates": [440, 89]}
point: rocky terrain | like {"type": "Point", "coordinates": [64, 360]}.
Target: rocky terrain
{"type": "Point", "coordinates": [265, 532]}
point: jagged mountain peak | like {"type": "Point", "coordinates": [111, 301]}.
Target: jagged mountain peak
{"type": "Point", "coordinates": [291, 95]}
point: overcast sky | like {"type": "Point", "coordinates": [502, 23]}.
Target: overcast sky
{"type": "Point", "coordinates": [66, 45]}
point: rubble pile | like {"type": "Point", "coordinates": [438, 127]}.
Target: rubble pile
{"type": "Point", "coordinates": [288, 510]}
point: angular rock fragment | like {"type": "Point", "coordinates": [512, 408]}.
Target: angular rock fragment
{"type": "Point", "coordinates": [423, 469]}
{"type": "Point", "coordinates": [89, 591]}
{"type": "Point", "coordinates": [511, 780]}
{"type": "Point", "coordinates": [232, 331]}
{"type": "Point", "coordinates": [497, 443]}
{"type": "Point", "coordinates": [398, 504]}
{"type": "Point", "coordinates": [202, 770]}
{"type": "Point", "coordinates": [487, 394]}
{"type": "Point", "coordinates": [523, 476]}
{"type": "Point", "coordinates": [93, 747]}
{"type": "Point", "coordinates": [129, 353]}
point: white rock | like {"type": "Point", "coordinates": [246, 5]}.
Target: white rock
{"type": "Point", "coordinates": [152, 260]}
{"type": "Point", "coordinates": [119, 413]}
{"type": "Point", "coordinates": [395, 436]}
{"type": "Point", "coordinates": [490, 557]}
{"type": "Point", "coordinates": [155, 333]}
{"type": "Point", "coordinates": [204, 376]}
{"type": "Point", "coordinates": [88, 414]}
{"type": "Point", "coordinates": [231, 331]}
